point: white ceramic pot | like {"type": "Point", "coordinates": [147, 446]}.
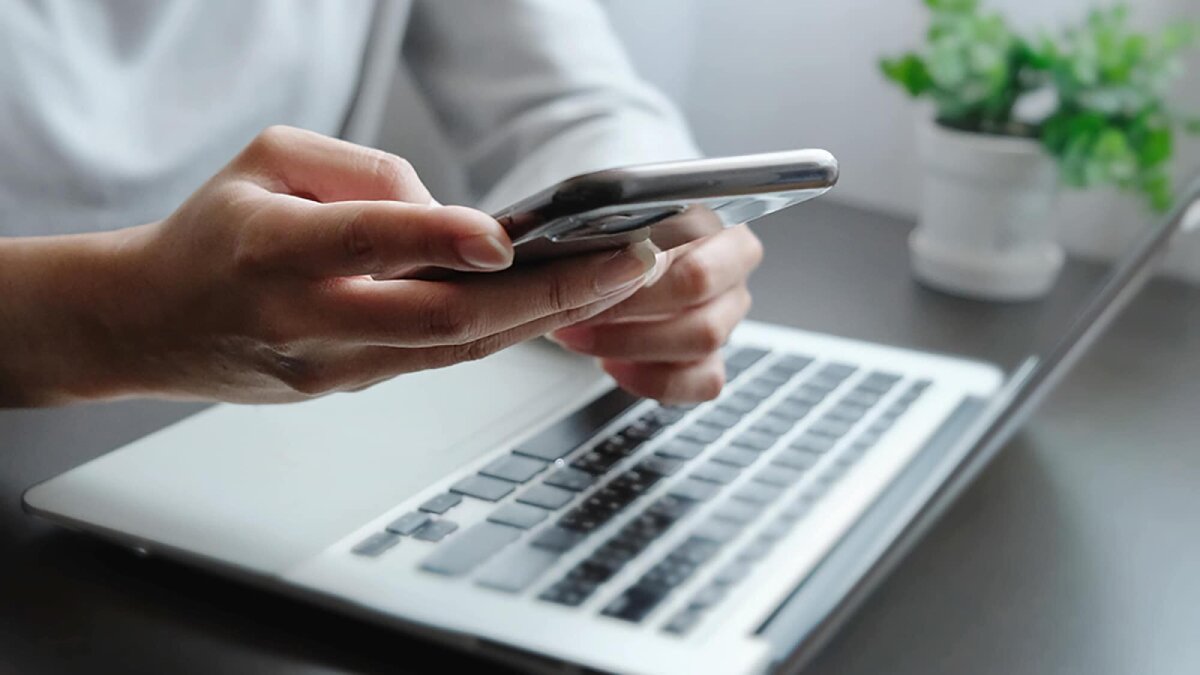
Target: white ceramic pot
{"type": "Point", "coordinates": [986, 229]}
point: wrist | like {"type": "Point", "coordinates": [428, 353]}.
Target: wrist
{"type": "Point", "coordinates": [66, 317]}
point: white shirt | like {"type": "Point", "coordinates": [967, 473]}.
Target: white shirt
{"type": "Point", "coordinates": [113, 111]}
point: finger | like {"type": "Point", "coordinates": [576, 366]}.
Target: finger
{"type": "Point", "coordinates": [416, 313]}
{"type": "Point", "coordinates": [304, 163]}
{"type": "Point", "coordinates": [373, 365]}
{"type": "Point", "coordinates": [364, 237]}
{"type": "Point", "coordinates": [690, 336]}
{"type": "Point", "coordinates": [670, 382]}
{"type": "Point", "coordinates": [698, 273]}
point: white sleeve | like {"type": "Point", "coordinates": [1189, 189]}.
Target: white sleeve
{"type": "Point", "coordinates": [532, 91]}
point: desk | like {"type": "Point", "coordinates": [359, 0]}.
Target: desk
{"type": "Point", "coordinates": [1075, 552]}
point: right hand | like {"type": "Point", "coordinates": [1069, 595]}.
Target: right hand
{"type": "Point", "coordinates": [282, 278]}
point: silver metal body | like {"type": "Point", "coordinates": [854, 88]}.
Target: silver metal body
{"type": "Point", "coordinates": [278, 495]}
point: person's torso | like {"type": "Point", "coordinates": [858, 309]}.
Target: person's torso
{"type": "Point", "coordinates": [113, 111]}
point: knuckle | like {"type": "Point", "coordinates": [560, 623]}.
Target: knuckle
{"type": "Point", "coordinates": [270, 142]}
{"type": "Point", "coordinates": [357, 242]}
{"type": "Point", "coordinates": [755, 249]}
{"type": "Point", "coordinates": [711, 383]}
{"type": "Point", "coordinates": [709, 335]}
{"type": "Point", "coordinates": [250, 257]}
{"type": "Point", "coordinates": [479, 349]}
{"type": "Point", "coordinates": [746, 298]}
{"type": "Point", "coordinates": [695, 279]}
{"type": "Point", "coordinates": [558, 298]}
{"type": "Point", "coordinates": [298, 374]}
{"type": "Point", "coordinates": [394, 171]}
{"type": "Point", "coordinates": [446, 321]}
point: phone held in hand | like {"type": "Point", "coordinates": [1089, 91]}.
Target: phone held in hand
{"type": "Point", "coordinates": [674, 202]}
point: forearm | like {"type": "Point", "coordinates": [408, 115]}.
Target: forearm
{"type": "Point", "coordinates": [60, 308]}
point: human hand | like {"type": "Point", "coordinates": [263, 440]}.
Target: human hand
{"type": "Point", "coordinates": [283, 278]}
{"type": "Point", "coordinates": [664, 341]}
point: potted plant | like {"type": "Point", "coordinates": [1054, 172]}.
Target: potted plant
{"type": "Point", "coordinates": [1014, 119]}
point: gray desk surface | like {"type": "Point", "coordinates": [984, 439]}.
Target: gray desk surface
{"type": "Point", "coordinates": [1076, 551]}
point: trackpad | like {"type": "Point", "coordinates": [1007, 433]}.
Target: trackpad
{"type": "Point", "coordinates": [266, 486]}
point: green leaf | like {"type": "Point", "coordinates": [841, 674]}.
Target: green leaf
{"type": "Point", "coordinates": [909, 72]}
{"type": "Point", "coordinates": [1155, 147]}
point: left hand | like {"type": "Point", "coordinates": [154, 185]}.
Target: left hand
{"type": "Point", "coordinates": [664, 342]}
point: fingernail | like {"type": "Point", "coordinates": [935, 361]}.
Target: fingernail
{"type": "Point", "coordinates": [624, 269]}
{"type": "Point", "coordinates": [484, 252]}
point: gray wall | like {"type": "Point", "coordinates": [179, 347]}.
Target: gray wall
{"type": "Point", "coordinates": [757, 75]}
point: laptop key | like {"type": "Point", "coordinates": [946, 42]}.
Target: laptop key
{"type": "Point", "coordinates": [376, 544]}
{"type": "Point", "coordinates": [758, 389]}
{"type": "Point", "coordinates": [861, 398]}
{"type": "Point", "coordinates": [732, 573]}
{"type": "Point", "coordinates": [794, 362]}
{"type": "Point", "coordinates": [515, 570]}
{"type": "Point", "coordinates": [778, 476]}
{"type": "Point", "coordinates": [483, 487]}
{"type": "Point", "coordinates": [807, 396]}
{"type": "Point", "coordinates": [790, 411]}
{"type": "Point", "coordinates": [556, 539]}
{"type": "Point", "coordinates": [722, 419]}
{"type": "Point", "coordinates": [597, 462]}
{"type": "Point", "coordinates": [735, 456]}
{"type": "Point", "coordinates": [435, 530]}
{"type": "Point", "coordinates": [758, 438]}
{"type": "Point", "coordinates": [514, 468]}
{"type": "Point", "coordinates": [738, 511]}
{"type": "Point", "coordinates": [758, 493]}
{"type": "Point", "coordinates": [684, 621]}
{"type": "Point", "coordinates": [667, 415]}
{"type": "Point", "coordinates": [813, 443]}
{"type": "Point", "coordinates": [635, 603]}
{"type": "Point", "coordinates": [847, 413]}
{"type": "Point", "coordinates": [441, 503]}
{"type": "Point", "coordinates": [702, 433]}
{"type": "Point", "coordinates": [662, 466]}
{"type": "Point", "coordinates": [679, 448]}
{"type": "Point", "coordinates": [570, 592]}
{"type": "Point", "coordinates": [878, 382]}
{"type": "Point", "coordinates": [721, 474]}
{"type": "Point", "coordinates": [546, 497]}
{"type": "Point", "coordinates": [745, 357]}
{"type": "Point", "coordinates": [775, 376]}
{"type": "Point", "coordinates": [409, 523]}
{"type": "Point", "coordinates": [571, 479]}
{"type": "Point", "coordinates": [694, 490]}
{"type": "Point", "coordinates": [519, 515]}
{"type": "Point", "coordinates": [671, 508]}
{"type": "Point", "coordinates": [708, 596]}
{"type": "Point", "coordinates": [838, 371]}
{"type": "Point", "coordinates": [464, 552]}
{"type": "Point", "coordinates": [754, 551]}
{"type": "Point", "coordinates": [562, 437]}
{"type": "Point", "coordinates": [799, 460]}
{"type": "Point", "coordinates": [717, 530]}
{"type": "Point", "coordinates": [738, 404]}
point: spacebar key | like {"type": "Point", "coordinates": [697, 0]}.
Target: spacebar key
{"type": "Point", "coordinates": [464, 552]}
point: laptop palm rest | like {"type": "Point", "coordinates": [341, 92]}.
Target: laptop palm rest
{"type": "Point", "coordinates": [264, 487]}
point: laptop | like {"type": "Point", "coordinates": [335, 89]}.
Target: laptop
{"type": "Point", "coordinates": [523, 508]}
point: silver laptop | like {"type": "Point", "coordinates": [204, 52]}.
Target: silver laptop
{"type": "Point", "coordinates": [522, 508]}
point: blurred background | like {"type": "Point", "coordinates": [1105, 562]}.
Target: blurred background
{"type": "Point", "coordinates": [761, 75]}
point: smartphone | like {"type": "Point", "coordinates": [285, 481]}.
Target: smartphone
{"type": "Point", "coordinates": [671, 201]}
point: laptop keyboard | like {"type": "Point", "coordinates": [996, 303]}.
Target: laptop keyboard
{"type": "Point", "coordinates": [553, 496]}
